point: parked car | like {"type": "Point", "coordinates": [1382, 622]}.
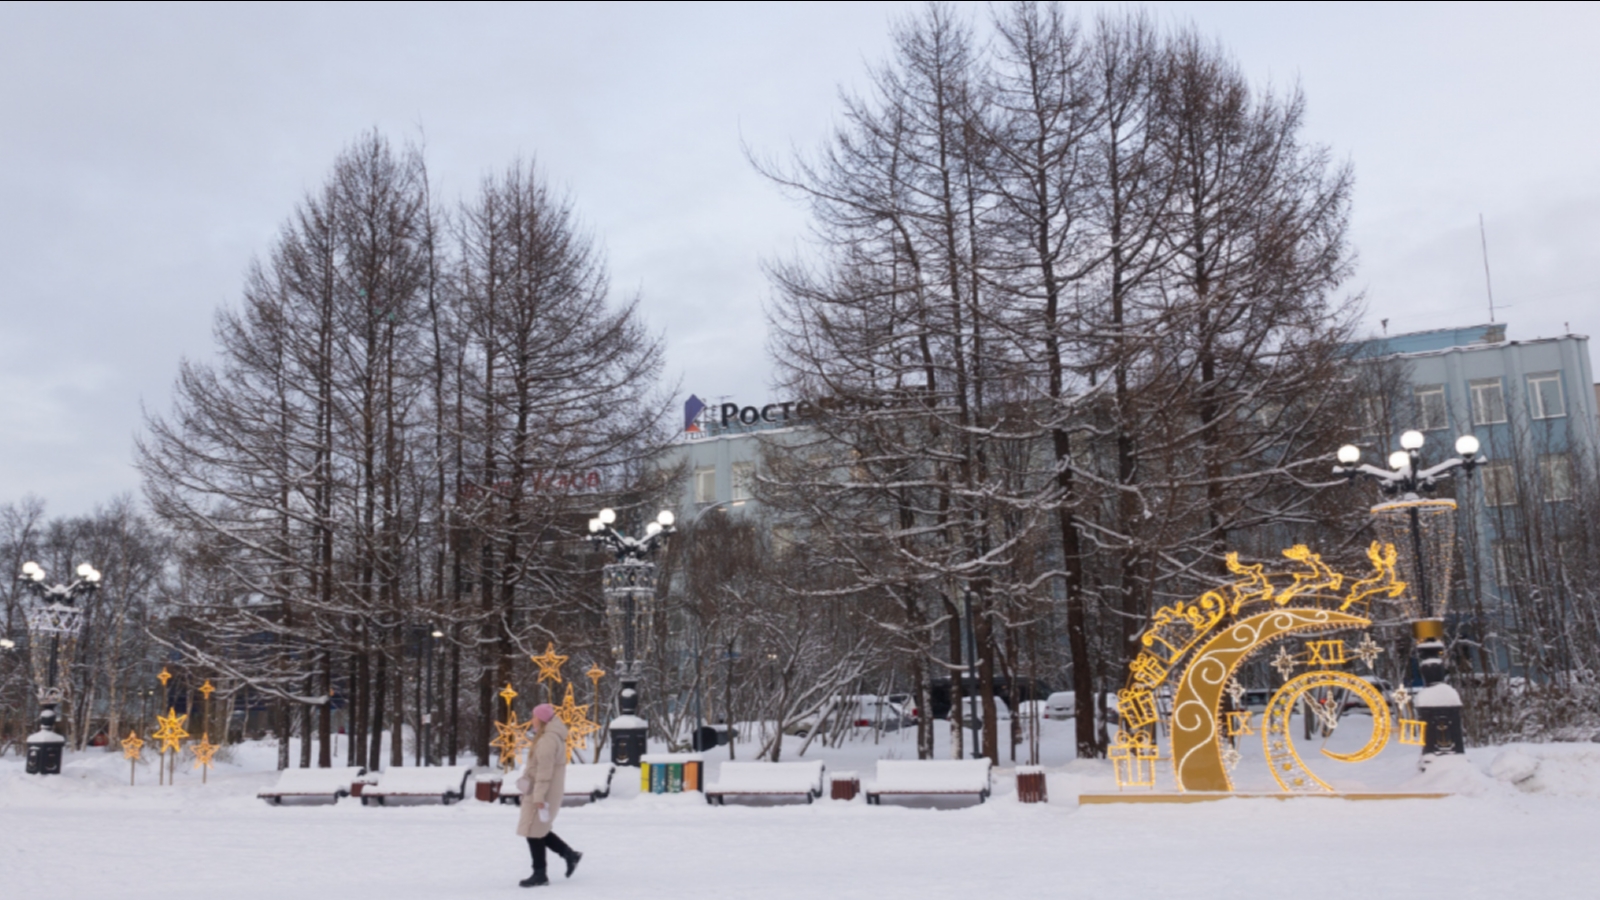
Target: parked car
{"type": "Point", "coordinates": [869, 711]}
{"type": "Point", "coordinates": [1062, 706]}
{"type": "Point", "coordinates": [1030, 709]}
{"type": "Point", "coordinates": [972, 711]}
{"type": "Point", "coordinates": [861, 711]}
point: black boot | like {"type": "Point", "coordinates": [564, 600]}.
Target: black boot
{"type": "Point", "coordinates": [572, 862]}
{"type": "Point", "coordinates": [538, 878]}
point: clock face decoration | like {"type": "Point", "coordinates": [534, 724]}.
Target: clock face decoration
{"type": "Point", "coordinates": [1192, 651]}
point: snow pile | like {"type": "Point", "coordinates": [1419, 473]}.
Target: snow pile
{"type": "Point", "coordinates": [1567, 770]}
{"type": "Point", "coordinates": [1452, 773]}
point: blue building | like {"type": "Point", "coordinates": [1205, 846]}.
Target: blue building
{"type": "Point", "coordinates": [1533, 406]}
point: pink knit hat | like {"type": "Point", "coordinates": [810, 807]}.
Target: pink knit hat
{"type": "Point", "coordinates": [544, 712]}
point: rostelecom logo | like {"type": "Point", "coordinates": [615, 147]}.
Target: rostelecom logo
{"type": "Point", "coordinates": [692, 408]}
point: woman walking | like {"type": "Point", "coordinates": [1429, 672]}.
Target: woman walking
{"type": "Point", "coordinates": [542, 784]}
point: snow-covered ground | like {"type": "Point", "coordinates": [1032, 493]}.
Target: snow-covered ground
{"type": "Point", "coordinates": [1523, 823]}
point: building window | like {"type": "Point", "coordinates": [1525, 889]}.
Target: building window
{"type": "Point", "coordinates": [1544, 393]}
{"type": "Point", "coordinates": [1555, 474]}
{"type": "Point", "coordinates": [1488, 402]}
{"type": "Point", "coordinates": [1432, 415]}
{"type": "Point", "coordinates": [1499, 484]}
{"type": "Point", "coordinates": [705, 485]}
{"type": "Point", "coordinates": [782, 539]}
{"type": "Point", "coordinates": [1569, 551]}
{"type": "Point", "coordinates": [744, 480]}
{"type": "Point", "coordinates": [1507, 562]}
{"type": "Point", "coordinates": [1372, 416]}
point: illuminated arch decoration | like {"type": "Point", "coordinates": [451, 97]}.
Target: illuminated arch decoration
{"type": "Point", "coordinates": [1194, 648]}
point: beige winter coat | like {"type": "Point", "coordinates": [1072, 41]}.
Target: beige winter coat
{"type": "Point", "coordinates": [547, 774]}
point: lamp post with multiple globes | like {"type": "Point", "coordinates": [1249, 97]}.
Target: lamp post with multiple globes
{"type": "Point", "coordinates": [1423, 530]}
{"type": "Point", "coordinates": [55, 616]}
{"type": "Point", "coordinates": [629, 585]}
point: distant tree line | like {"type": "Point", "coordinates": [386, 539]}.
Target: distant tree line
{"type": "Point", "coordinates": [414, 409]}
{"type": "Point", "coordinates": [1073, 324]}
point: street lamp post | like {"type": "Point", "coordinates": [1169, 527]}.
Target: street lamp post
{"type": "Point", "coordinates": [427, 719]}
{"type": "Point", "coordinates": [57, 617]}
{"type": "Point", "coordinates": [1424, 529]}
{"type": "Point", "coordinates": [629, 585]}
{"type": "Point", "coordinates": [700, 741]}
{"type": "Point", "coordinates": [969, 675]}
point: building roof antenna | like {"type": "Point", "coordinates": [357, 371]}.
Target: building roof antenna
{"type": "Point", "coordinates": [1483, 237]}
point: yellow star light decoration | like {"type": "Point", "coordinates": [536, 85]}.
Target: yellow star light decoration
{"type": "Point", "coordinates": [549, 663]}
{"type": "Point", "coordinates": [595, 673]}
{"type": "Point", "coordinates": [171, 733]}
{"type": "Point", "coordinates": [576, 717]}
{"type": "Point", "coordinates": [203, 750]}
{"type": "Point", "coordinates": [132, 746]}
{"type": "Point", "coordinates": [508, 694]}
{"type": "Point", "coordinates": [164, 677]}
{"type": "Point", "coordinates": [207, 690]}
{"type": "Point", "coordinates": [511, 739]}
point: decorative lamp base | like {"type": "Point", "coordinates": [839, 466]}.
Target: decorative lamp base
{"type": "Point", "coordinates": [628, 745]}
{"type": "Point", "coordinates": [44, 753]}
{"type": "Point", "coordinates": [1439, 706]}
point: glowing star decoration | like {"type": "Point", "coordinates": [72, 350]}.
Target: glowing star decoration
{"type": "Point", "coordinates": [171, 733]}
{"type": "Point", "coordinates": [1368, 651]}
{"type": "Point", "coordinates": [132, 749]}
{"type": "Point", "coordinates": [576, 718]}
{"type": "Point", "coordinates": [549, 663]}
{"type": "Point", "coordinates": [164, 677]}
{"type": "Point", "coordinates": [1285, 663]}
{"type": "Point", "coordinates": [1236, 691]}
{"type": "Point", "coordinates": [511, 739]}
{"type": "Point", "coordinates": [508, 694]}
{"type": "Point", "coordinates": [203, 751]}
{"type": "Point", "coordinates": [596, 673]}
{"type": "Point", "coordinates": [207, 690]}
{"type": "Point", "coordinates": [1231, 757]}
{"type": "Point", "coordinates": [1401, 697]}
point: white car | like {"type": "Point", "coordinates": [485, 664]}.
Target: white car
{"type": "Point", "coordinates": [972, 711]}
{"type": "Point", "coordinates": [1062, 706]}
{"type": "Point", "coordinates": [861, 711]}
{"type": "Point", "coordinates": [869, 711]}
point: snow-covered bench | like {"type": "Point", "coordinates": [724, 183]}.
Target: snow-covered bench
{"type": "Point", "coordinates": [446, 783]}
{"type": "Point", "coordinates": [586, 783]}
{"type": "Point", "coordinates": [930, 776]}
{"type": "Point", "coordinates": [329, 784]}
{"type": "Point", "coordinates": [765, 779]}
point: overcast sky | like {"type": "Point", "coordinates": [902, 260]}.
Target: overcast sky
{"type": "Point", "coordinates": [148, 153]}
